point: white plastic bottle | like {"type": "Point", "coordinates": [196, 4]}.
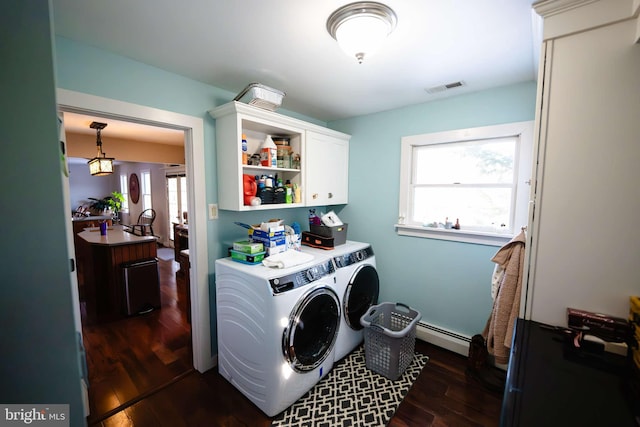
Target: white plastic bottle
{"type": "Point", "coordinates": [269, 153]}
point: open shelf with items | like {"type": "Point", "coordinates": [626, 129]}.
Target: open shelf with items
{"type": "Point", "coordinates": [235, 119]}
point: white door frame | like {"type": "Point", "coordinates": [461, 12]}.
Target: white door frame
{"type": "Point", "coordinates": [193, 127]}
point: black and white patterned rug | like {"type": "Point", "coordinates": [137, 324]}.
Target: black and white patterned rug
{"type": "Point", "coordinates": [351, 396]}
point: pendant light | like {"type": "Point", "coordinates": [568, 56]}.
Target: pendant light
{"type": "Point", "coordinates": [360, 28]}
{"type": "Point", "coordinates": [101, 164]}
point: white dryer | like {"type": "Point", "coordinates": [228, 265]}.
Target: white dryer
{"type": "Point", "coordinates": [358, 287]}
{"type": "Point", "coordinates": [277, 329]}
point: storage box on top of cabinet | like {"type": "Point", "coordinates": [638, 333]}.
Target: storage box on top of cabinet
{"type": "Point", "coordinates": [323, 152]}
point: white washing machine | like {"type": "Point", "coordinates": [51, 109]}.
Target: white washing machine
{"type": "Point", "coordinates": [358, 287]}
{"type": "Point", "coordinates": [277, 329]}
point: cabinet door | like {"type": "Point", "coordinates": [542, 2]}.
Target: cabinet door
{"type": "Point", "coordinates": [327, 170]}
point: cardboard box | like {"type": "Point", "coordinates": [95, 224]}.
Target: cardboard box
{"type": "Point", "coordinates": [248, 247]}
{"type": "Point", "coordinates": [245, 258]}
{"type": "Point", "coordinates": [261, 234]}
{"type": "Point", "coordinates": [276, 250]}
{"type": "Point", "coordinates": [270, 242]}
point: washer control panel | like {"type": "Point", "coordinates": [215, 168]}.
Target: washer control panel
{"type": "Point", "coordinates": [353, 257]}
{"type": "Point", "coordinates": [301, 278]}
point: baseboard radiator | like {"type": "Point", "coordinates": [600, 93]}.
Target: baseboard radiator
{"type": "Point", "coordinates": [446, 339]}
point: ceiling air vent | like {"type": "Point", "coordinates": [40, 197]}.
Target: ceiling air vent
{"type": "Point", "coordinates": [442, 88]}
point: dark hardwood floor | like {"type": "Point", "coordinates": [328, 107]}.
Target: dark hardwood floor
{"type": "Point", "coordinates": [131, 358]}
{"type": "Point", "coordinates": [141, 375]}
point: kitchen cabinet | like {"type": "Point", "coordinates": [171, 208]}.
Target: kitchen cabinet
{"type": "Point", "coordinates": [327, 169]}
{"type": "Point", "coordinates": [104, 262]}
{"type": "Point", "coordinates": [329, 150]}
{"type": "Point", "coordinates": [79, 225]}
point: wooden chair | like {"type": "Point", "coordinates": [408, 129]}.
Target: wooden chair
{"type": "Point", "coordinates": [144, 225]}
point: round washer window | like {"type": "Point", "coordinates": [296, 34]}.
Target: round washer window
{"type": "Point", "coordinates": [362, 292]}
{"type": "Point", "coordinates": [312, 329]}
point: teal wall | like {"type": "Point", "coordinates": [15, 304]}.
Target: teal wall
{"type": "Point", "coordinates": [39, 361]}
{"type": "Point", "coordinates": [448, 282]}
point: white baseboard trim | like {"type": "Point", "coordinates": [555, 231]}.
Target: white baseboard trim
{"type": "Point", "coordinates": [446, 339]}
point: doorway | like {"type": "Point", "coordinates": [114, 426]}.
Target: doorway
{"type": "Point", "coordinates": [69, 101]}
{"type": "Point", "coordinates": [129, 356]}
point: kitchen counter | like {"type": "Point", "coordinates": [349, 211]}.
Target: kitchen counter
{"type": "Point", "coordinates": [116, 235]}
{"type": "Point", "coordinates": [103, 262]}
{"type": "Point", "coordinates": [92, 218]}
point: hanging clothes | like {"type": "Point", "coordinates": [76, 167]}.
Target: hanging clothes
{"type": "Point", "coordinates": [496, 280]}
{"type": "Point", "coordinates": [506, 305]}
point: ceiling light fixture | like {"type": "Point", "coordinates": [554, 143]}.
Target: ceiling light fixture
{"type": "Point", "coordinates": [360, 28]}
{"type": "Point", "coordinates": [101, 164]}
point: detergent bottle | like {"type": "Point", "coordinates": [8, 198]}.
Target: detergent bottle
{"type": "Point", "coordinates": [269, 153]}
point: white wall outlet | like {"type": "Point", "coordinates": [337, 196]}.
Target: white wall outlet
{"type": "Point", "coordinates": [213, 211]}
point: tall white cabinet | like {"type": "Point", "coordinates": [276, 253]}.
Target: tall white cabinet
{"type": "Point", "coordinates": [323, 172]}
{"type": "Point", "coordinates": [584, 236]}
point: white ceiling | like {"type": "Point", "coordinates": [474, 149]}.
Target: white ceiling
{"type": "Point", "coordinates": [284, 44]}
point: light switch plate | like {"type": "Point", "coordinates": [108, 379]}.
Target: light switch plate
{"type": "Point", "coordinates": [213, 211]}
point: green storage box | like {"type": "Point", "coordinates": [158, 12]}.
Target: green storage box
{"type": "Point", "coordinates": [248, 247]}
{"type": "Point", "coordinates": [244, 258]}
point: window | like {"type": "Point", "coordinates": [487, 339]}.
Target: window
{"type": "Point", "coordinates": [145, 189]}
{"type": "Point", "coordinates": [124, 189]}
{"type": "Point", "coordinates": [478, 178]}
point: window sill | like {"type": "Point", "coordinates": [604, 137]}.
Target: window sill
{"type": "Point", "coordinates": [475, 237]}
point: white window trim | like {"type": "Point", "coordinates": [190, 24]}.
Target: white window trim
{"type": "Point", "coordinates": [146, 191]}
{"type": "Point", "coordinates": [523, 129]}
{"type": "Point", "coordinates": [124, 190]}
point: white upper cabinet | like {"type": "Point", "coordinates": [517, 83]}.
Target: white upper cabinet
{"type": "Point", "coordinates": [323, 153]}
{"type": "Point", "coordinates": [326, 169]}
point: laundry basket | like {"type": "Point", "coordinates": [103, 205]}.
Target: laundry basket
{"type": "Point", "coordinates": [389, 338]}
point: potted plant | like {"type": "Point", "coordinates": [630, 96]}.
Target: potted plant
{"type": "Point", "coordinates": [109, 204]}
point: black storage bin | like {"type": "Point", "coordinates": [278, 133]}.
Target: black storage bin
{"type": "Point", "coordinates": [337, 232]}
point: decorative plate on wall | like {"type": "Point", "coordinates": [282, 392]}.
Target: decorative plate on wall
{"type": "Point", "coordinates": [134, 188]}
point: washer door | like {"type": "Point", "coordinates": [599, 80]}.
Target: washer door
{"type": "Point", "coordinates": [312, 329]}
{"type": "Point", "coordinates": [361, 293]}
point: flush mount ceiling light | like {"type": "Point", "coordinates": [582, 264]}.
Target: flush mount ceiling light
{"type": "Point", "coordinates": [360, 28]}
{"type": "Point", "coordinates": [101, 164]}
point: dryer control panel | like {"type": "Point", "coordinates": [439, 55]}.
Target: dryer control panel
{"type": "Point", "coordinates": [301, 278]}
{"type": "Point", "coordinates": [353, 257]}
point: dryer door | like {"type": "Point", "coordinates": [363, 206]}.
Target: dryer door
{"type": "Point", "coordinates": [361, 293]}
{"type": "Point", "coordinates": [312, 329]}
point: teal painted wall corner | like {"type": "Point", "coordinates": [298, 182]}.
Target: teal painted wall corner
{"type": "Point", "coordinates": [40, 358]}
